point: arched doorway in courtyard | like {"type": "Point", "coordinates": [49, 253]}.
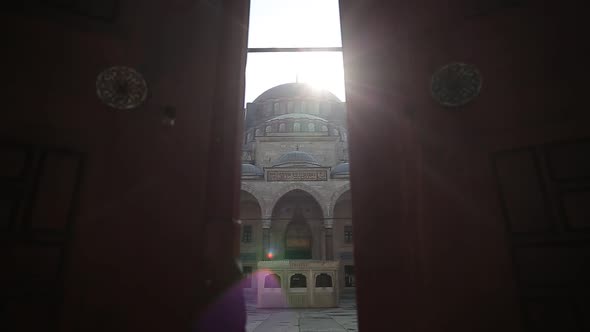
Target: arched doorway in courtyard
{"type": "Point", "coordinates": [296, 227]}
{"type": "Point", "coordinates": [298, 237]}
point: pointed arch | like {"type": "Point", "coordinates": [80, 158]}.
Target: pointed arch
{"type": "Point", "coordinates": [252, 191]}
{"type": "Point", "coordinates": [335, 196]}
{"type": "Point", "coordinates": [298, 186]}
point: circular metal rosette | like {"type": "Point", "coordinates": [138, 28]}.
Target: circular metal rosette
{"type": "Point", "coordinates": [121, 88]}
{"type": "Point", "coordinates": [455, 84]}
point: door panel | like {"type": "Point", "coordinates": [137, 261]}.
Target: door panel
{"type": "Point", "coordinates": [552, 264]}
{"type": "Point", "coordinates": [461, 212]}
{"type": "Point", "coordinates": [153, 194]}
{"type": "Point", "coordinates": [41, 184]}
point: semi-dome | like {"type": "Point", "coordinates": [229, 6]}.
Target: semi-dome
{"type": "Point", "coordinates": [341, 170]}
{"type": "Point", "coordinates": [297, 158]}
{"type": "Point", "coordinates": [251, 170]}
{"type": "Point", "coordinates": [291, 90]}
{"type": "Point", "coordinates": [296, 116]}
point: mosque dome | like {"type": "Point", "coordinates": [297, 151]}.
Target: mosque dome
{"type": "Point", "coordinates": [251, 170]}
{"type": "Point", "coordinates": [297, 158]}
{"type": "Point", "coordinates": [292, 90]}
{"type": "Point", "coordinates": [341, 170]}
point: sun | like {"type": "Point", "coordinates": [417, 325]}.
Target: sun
{"type": "Point", "coordinates": [321, 70]}
{"type": "Point", "coordinates": [321, 73]}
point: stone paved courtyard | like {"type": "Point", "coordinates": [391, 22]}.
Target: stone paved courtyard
{"type": "Point", "coordinates": [343, 318]}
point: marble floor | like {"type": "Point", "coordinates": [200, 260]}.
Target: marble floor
{"type": "Point", "coordinates": [339, 319]}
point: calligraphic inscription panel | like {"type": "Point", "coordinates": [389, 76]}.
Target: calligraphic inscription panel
{"type": "Point", "coordinates": [302, 175]}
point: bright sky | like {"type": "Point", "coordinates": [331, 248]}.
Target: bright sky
{"type": "Point", "coordinates": [294, 23]}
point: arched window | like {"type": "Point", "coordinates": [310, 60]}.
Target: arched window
{"type": "Point", "coordinates": [282, 128]}
{"type": "Point", "coordinates": [323, 280]}
{"type": "Point", "coordinates": [272, 281]}
{"type": "Point", "coordinates": [276, 108]}
{"type": "Point", "coordinates": [267, 109]}
{"type": "Point", "coordinates": [324, 128]}
{"type": "Point", "coordinates": [298, 280]}
{"type": "Point", "coordinates": [258, 132]}
{"type": "Point", "coordinates": [268, 129]}
{"type": "Point", "coordinates": [283, 108]}
{"type": "Point", "coordinates": [296, 126]}
{"type": "Point", "coordinates": [311, 126]}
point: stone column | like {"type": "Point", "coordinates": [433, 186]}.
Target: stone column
{"type": "Point", "coordinates": [329, 242]}
{"type": "Point", "coordinates": [323, 244]}
{"type": "Point", "coordinates": [265, 238]}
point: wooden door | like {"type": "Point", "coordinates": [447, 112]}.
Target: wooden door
{"type": "Point", "coordinates": [117, 220]}
{"type": "Point", "coordinates": [40, 187]}
{"type": "Point", "coordinates": [475, 217]}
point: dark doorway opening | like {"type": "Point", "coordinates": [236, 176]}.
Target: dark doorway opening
{"type": "Point", "coordinates": [298, 237]}
{"type": "Point", "coordinates": [349, 276]}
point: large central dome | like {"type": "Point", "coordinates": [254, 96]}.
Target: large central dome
{"type": "Point", "coordinates": [293, 90]}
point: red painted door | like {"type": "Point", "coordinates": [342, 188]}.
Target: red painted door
{"type": "Point", "coordinates": [114, 220]}
{"type": "Point", "coordinates": [475, 217]}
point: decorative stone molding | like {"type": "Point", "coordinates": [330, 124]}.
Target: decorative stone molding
{"type": "Point", "coordinates": [455, 84]}
{"type": "Point", "coordinates": [121, 87]}
{"type": "Point", "coordinates": [298, 174]}
{"type": "Point", "coordinates": [299, 265]}
{"type": "Point", "coordinates": [328, 223]}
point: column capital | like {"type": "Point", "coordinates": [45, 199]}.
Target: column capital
{"type": "Point", "coordinates": [266, 223]}
{"type": "Point", "coordinates": [328, 223]}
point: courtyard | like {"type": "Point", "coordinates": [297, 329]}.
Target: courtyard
{"type": "Point", "coordinates": [343, 318]}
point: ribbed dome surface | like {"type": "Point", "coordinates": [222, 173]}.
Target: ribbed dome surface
{"type": "Point", "coordinates": [297, 157]}
{"type": "Point", "coordinates": [251, 170]}
{"type": "Point", "coordinates": [292, 90]}
{"type": "Point", "coordinates": [341, 169]}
